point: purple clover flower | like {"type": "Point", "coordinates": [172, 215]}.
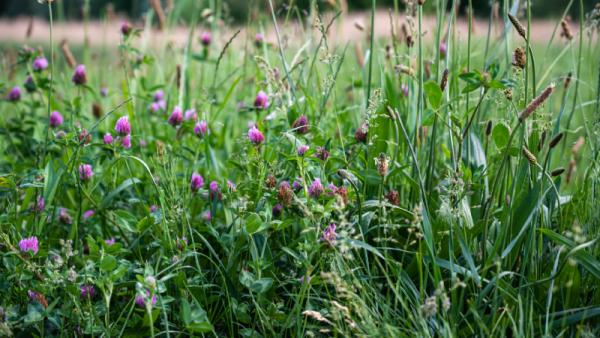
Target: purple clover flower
{"type": "Point", "coordinates": [329, 234]}
{"type": "Point", "coordinates": [201, 128]}
{"type": "Point", "coordinates": [87, 291]}
{"type": "Point", "coordinates": [40, 63]}
{"type": "Point", "coordinates": [29, 244]}
{"type": "Point", "coordinates": [108, 139]}
{"type": "Point", "coordinates": [56, 119]}
{"type": "Point", "coordinates": [255, 135]}
{"type": "Point", "coordinates": [140, 300]}
{"type": "Point", "coordinates": [176, 117]}
{"type": "Point", "coordinates": [316, 188]}
{"type": "Point", "coordinates": [79, 75]}
{"type": "Point", "coordinates": [15, 94]}
{"type": "Point", "coordinates": [196, 182]}
{"type": "Point", "coordinates": [86, 172]}
{"type": "Point", "coordinates": [261, 101]}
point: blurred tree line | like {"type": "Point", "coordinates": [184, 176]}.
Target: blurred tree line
{"type": "Point", "coordinates": [238, 10]}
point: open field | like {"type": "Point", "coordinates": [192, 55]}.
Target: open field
{"type": "Point", "coordinates": [301, 178]}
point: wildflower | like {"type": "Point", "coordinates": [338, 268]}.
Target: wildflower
{"type": "Point", "coordinates": [277, 210]}
{"type": "Point", "coordinates": [393, 197]}
{"type": "Point", "coordinates": [87, 291]}
{"type": "Point", "coordinates": [123, 127]}
{"type": "Point", "coordinates": [302, 149]}
{"type": "Point", "coordinates": [207, 216]}
{"type": "Point", "coordinates": [29, 244]}
{"type": "Point", "coordinates": [153, 208]}
{"type": "Point", "coordinates": [430, 307]}
{"type": "Point", "coordinates": [343, 193]}
{"type": "Point", "coordinates": [37, 296]}
{"type": "Point", "coordinates": [404, 89]}
{"type": "Point", "coordinates": [231, 186]}
{"type": "Point", "coordinates": [40, 204]}
{"type": "Point", "coordinates": [88, 214]}
{"type": "Point", "coordinates": [301, 125]}
{"type": "Point", "coordinates": [297, 185]}
{"type": "Point", "coordinates": [84, 137]}
{"type": "Point", "coordinates": [126, 142]}
{"type": "Point", "coordinates": [285, 195]}
{"type": "Point", "coordinates": [361, 133]}
{"type": "Point", "coordinates": [197, 182]}
{"type": "Point", "coordinates": [382, 163]}
{"type": "Point", "coordinates": [64, 217]}
{"type": "Point", "coordinates": [182, 243]}
{"type": "Point", "coordinates": [329, 234]}
{"type": "Point", "coordinates": [79, 76]}
{"type": "Point", "coordinates": [155, 107]}
{"type": "Point", "coordinates": [533, 105]}
{"type": "Point", "coordinates": [316, 188]}
{"type": "Point", "coordinates": [29, 84]}
{"type": "Point", "coordinates": [151, 281]}
{"type": "Point", "coordinates": [108, 139]}
{"type": "Point", "coordinates": [40, 64]}
{"type": "Point", "coordinates": [176, 117]}
{"type": "Point", "coordinates": [201, 128]}
{"type": "Point", "coordinates": [213, 191]}
{"type": "Point", "coordinates": [205, 39]}
{"type": "Point", "coordinates": [322, 153]}
{"type": "Point", "coordinates": [259, 39]}
{"type": "Point", "coordinates": [255, 136]}
{"type": "Point", "coordinates": [15, 94]}
{"type": "Point", "coordinates": [271, 181]}
{"type": "Point", "coordinates": [140, 300]}
{"type": "Point", "coordinates": [60, 134]}
{"type": "Point", "coordinates": [159, 95]}
{"type": "Point", "coordinates": [191, 114]}
{"type": "Point", "coordinates": [85, 172]}
{"type": "Point", "coordinates": [104, 91]}
{"type": "Point", "coordinates": [126, 28]}
{"type": "Point", "coordinates": [305, 279]}
{"type": "Point", "coordinates": [110, 241]}
{"type": "Point", "coordinates": [332, 189]}
{"type": "Point", "coordinates": [443, 49]}
{"type": "Point", "coordinates": [56, 119]}
{"type": "Point", "coordinates": [261, 101]}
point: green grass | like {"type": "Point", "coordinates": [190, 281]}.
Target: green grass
{"type": "Point", "coordinates": [444, 226]}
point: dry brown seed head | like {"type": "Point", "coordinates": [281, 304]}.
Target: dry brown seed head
{"type": "Point", "coordinates": [529, 156]}
{"type": "Point", "coordinates": [520, 29]}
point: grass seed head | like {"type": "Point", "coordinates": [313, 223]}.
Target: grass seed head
{"type": "Point", "coordinates": [529, 156]}
{"type": "Point", "coordinates": [536, 103]}
{"type": "Point", "coordinates": [520, 29]}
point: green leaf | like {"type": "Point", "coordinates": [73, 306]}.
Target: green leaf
{"type": "Point", "coordinates": [108, 263]}
{"type": "Point", "coordinates": [253, 223]}
{"type": "Point", "coordinates": [433, 93]}
{"type": "Point", "coordinates": [362, 245]}
{"type": "Point", "coordinates": [126, 184]}
{"type": "Point", "coordinates": [501, 134]}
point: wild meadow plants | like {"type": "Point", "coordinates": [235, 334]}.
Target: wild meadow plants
{"type": "Point", "coordinates": [276, 183]}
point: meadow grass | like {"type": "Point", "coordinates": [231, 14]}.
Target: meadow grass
{"type": "Point", "coordinates": [402, 186]}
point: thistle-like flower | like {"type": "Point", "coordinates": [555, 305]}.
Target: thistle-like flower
{"type": "Point", "coordinates": [86, 172]}
{"type": "Point", "coordinates": [329, 234]}
{"type": "Point", "coordinates": [301, 125]}
{"type": "Point", "coordinates": [196, 182]}
{"type": "Point", "coordinates": [205, 39]}
{"type": "Point", "coordinates": [40, 64]}
{"type": "Point", "coordinates": [123, 127]}
{"type": "Point", "coordinates": [201, 128]}
{"type": "Point", "coordinates": [56, 119]}
{"type": "Point", "coordinates": [14, 95]}
{"type": "Point", "coordinates": [176, 117]}
{"type": "Point", "coordinates": [79, 75]}
{"type": "Point", "coordinates": [316, 188]}
{"type": "Point", "coordinates": [261, 101]}
{"type": "Point", "coordinates": [29, 245]}
{"type": "Point", "coordinates": [255, 136]}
